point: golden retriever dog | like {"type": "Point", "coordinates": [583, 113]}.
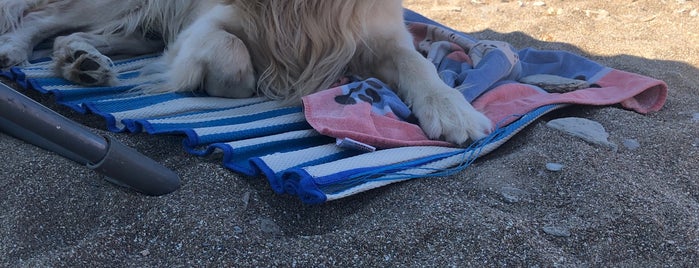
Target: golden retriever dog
{"type": "Point", "coordinates": [281, 49]}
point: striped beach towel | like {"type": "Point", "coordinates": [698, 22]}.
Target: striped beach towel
{"type": "Point", "coordinates": [261, 137]}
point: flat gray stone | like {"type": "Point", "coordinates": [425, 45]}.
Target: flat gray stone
{"type": "Point", "coordinates": [557, 231]}
{"type": "Point", "coordinates": [513, 195]}
{"type": "Point", "coordinates": [588, 130]}
{"type": "Point", "coordinates": [554, 83]}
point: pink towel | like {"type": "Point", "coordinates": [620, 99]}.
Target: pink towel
{"type": "Point", "coordinates": [382, 127]}
{"type": "Point", "coordinates": [635, 92]}
{"type": "Point", "coordinates": [369, 112]}
{"type": "Point", "coordinates": [371, 115]}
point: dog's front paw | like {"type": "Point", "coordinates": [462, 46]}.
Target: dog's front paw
{"type": "Point", "coordinates": [12, 53]}
{"type": "Point", "coordinates": [447, 115]}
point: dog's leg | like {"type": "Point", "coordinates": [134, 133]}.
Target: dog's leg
{"type": "Point", "coordinates": [11, 12]}
{"type": "Point", "coordinates": [17, 45]}
{"type": "Point", "coordinates": [207, 57]}
{"type": "Point", "coordinates": [80, 57]}
{"type": "Point", "coordinates": [443, 111]}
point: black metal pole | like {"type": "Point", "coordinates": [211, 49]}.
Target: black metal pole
{"type": "Point", "coordinates": [26, 119]}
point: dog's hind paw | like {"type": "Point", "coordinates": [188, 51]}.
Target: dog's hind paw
{"type": "Point", "coordinates": [450, 117]}
{"type": "Point", "coordinates": [91, 69]}
{"type": "Point", "coordinates": [82, 67]}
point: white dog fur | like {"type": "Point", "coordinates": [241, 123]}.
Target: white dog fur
{"type": "Point", "coordinates": [282, 49]}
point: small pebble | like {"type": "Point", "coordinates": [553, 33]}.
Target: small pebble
{"type": "Point", "coordinates": [557, 231]}
{"type": "Point", "coordinates": [600, 14]}
{"type": "Point", "coordinates": [555, 167]}
{"type": "Point", "coordinates": [512, 195]}
{"type": "Point", "coordinates": [631, 144]}
{"type": "Point", "coordinates": [270, 227]}
{"type": "Point", "coordinates": [554, 11]}
{"type": "Point", "coordinates": [246, 200]}
{"type": "Point", "coordinates": [509, 198]}
{"type": "Point", "coordinates": [144, 252]}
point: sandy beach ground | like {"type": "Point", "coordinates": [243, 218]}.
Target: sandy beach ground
{"type": "Point", "coordinates": [631, 207]}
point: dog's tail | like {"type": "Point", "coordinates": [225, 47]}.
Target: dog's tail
{"type": "Point", "coordinates": [12, 11]}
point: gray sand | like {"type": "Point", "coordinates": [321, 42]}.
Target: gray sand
{"type": "Point", "coordinates": [629, 207]}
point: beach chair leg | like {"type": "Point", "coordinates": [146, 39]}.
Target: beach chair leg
{"type": "Point", "coordinates": [32, 122]}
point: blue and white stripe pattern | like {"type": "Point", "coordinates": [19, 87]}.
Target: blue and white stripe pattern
{"type": "Point", "coordinates": [257, 136]}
